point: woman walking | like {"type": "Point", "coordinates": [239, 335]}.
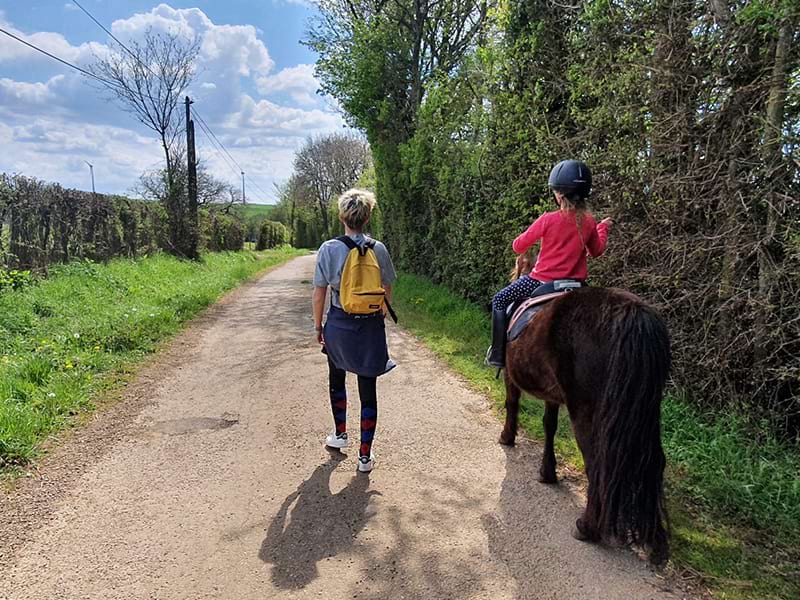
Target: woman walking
{"type": "Point", "coordinates": [354, 337]}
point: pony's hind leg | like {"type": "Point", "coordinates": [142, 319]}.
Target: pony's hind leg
{"type": "Point", "coordinates": [586, 529]}
{"type": "Point", "coordinates": [513, 393]}
{"type": "Point", "coordinates": [547, 471]}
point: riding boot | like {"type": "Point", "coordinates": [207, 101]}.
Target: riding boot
{"type": "Point", "coordinates": [496, 355]}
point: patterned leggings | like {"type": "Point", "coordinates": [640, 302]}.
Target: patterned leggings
{"type": "Point", "coordinates": [367, 393]}
{"type": "Point", "coordinates": [517, 290]}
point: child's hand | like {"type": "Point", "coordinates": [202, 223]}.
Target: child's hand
{"type": "Point", "coordinates": [608, 221]}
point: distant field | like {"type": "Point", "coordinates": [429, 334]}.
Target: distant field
{"type": "Point", "coordinates": [255, 210]}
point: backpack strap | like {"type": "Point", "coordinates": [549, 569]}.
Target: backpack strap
{"type": "Point", "coordinates": [391, 310]}
{"type": "Point", "coordinates": [348, 241]}
{"type": "Point", "coordinates": [370, 243]}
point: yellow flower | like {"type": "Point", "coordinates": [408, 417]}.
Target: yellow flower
{"type": "Point", "coordinates": [69, 365]}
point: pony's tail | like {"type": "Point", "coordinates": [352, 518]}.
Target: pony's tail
{"type": "Point", "coordinates": [628, 468]}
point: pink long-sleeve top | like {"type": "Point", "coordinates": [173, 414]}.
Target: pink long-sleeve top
{"type": "Point", "coordinates": [563, 254]}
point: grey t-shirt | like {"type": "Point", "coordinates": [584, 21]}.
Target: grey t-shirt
{"type": "Point", "coordinates": [332, 256]}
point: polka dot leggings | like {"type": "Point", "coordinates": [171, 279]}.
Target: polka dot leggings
{"type": "Point", "coordinates": [519, 289]}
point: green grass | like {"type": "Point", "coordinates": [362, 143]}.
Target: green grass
{"type": "Point", "coordinates": [256, 210]}
{"type": "Point", "coordinates": [734, 495]}
{"type": "Point", "coordinates": [67, 338]}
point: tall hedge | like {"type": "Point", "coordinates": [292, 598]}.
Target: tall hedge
{"type": "Point", "coordinates": [271, 235]}
{"type": "Point", "coordinates": [42, 223]}
{"type": "Point", "coordinates": [221, 231]}
{"type": "Point", "coordinates": [689, 114]}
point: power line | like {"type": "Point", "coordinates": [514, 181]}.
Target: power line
{"type": "Point", "coordinates": [214, 147]}
{"type": "Point", "coordinates": [228, 161]}
{"type": "Point", "coordinates": [207, 129]}
{"type": "Point", "coordinates": [196, 114]}
{"type": "Point", "coordinates": [61, 60]}
{"type": "Point", "coordinates": [115, 38]}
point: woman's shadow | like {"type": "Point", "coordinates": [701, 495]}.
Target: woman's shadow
{"type": "Point", "coordinates": [320, 525]}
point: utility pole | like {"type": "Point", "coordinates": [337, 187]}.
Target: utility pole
{"type": "Point", "coordinates": [191, 226]}
{"type": "Point", "coordinates": [244, 198]}
{"type": "Point", "coordinates": [91, 171]}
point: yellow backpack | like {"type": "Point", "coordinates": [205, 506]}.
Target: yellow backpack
{"type": "Point", "coordinates": [361, 290]}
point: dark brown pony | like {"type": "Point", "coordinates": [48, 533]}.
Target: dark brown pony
{"type": "Point", "coordinates": [605, 355]}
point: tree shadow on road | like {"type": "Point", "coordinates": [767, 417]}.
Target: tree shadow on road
{"type": "Point", "coordinates": [319, 525]}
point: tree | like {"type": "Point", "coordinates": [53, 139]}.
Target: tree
{"type": "Point", "coordinates": [325, 167]}
{"type": "Point", "coordinates": [155, 185]}
{"type": "Point", "coordinates": [378, 54]}
{"type": "Point", "coordinates": [148, 78]}
{"type": "Point", "coordinates": [377, 58]}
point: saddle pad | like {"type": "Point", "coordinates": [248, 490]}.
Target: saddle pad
{"type": "Point", "coordinates": [525, 312]}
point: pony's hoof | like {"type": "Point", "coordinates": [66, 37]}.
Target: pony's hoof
{"type": "Point", "coordinates": [658, 556]}
{"type": "Point", "coordinates": [549, 478]}
{"type": "Point", "coordinates": [581, 533]}
{"type": "Point", "coordinates": [506, 441]}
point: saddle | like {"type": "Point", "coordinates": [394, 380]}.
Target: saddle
{"type": "Point", "coordinates": [522, 312]}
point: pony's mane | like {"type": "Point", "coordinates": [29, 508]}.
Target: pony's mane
{"type": "Point", "coordinates": [523, 266]}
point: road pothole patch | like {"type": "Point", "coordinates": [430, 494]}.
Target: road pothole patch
{"type": "Point", "coordinates": [194, 424]}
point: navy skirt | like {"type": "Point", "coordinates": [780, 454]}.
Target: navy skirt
{"type": "Point", "coordinates": [357, 344]}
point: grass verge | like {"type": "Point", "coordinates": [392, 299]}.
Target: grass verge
{"type": "Point", "coordinates": [734, 496]}
{"type": "Point", "coordinates": [66, 338]}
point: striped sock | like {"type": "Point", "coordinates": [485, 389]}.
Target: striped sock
{"type": "Point", "coordinates": [339, 409]}
{"type": "Point", "coordinates": [369, 418]}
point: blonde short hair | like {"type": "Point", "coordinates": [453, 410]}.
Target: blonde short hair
{"type": "Point", "coordinates": [355, 207]}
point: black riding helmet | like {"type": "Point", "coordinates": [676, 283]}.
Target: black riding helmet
{"type": "Point", "coordinates": [571, 176]}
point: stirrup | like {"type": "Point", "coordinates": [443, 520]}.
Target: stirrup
{"type": "Point", "coordinates": [488, 363]}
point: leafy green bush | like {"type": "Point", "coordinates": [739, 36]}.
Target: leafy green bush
{"type": "Point", "coordinates": [14, 279]}
{"type": "Point", "coordinates": [271, 235]}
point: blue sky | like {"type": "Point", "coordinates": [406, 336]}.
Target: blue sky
{"type": "Point", "coordinates": [255, 88]}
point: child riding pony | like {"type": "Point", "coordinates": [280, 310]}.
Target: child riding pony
{"type": "Point", "coordinates": [567, 235]}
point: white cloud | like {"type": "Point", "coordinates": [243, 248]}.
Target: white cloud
{"type": "Point", "coordinates": [236, 48]}
{"type": "Point", "coordinates": [13, 51]}
{"type": "Point", "coordinates": [299, 82]}
{"type": "Point", "coordinates": [274, 119]}
{"type": "Point", "coordinates": [24, 93]}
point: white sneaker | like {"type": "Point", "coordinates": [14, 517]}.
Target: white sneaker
{"type": "Point", "coordinates": [336, 440]}
{"type": "Point", "coordinates": [366, 463]}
